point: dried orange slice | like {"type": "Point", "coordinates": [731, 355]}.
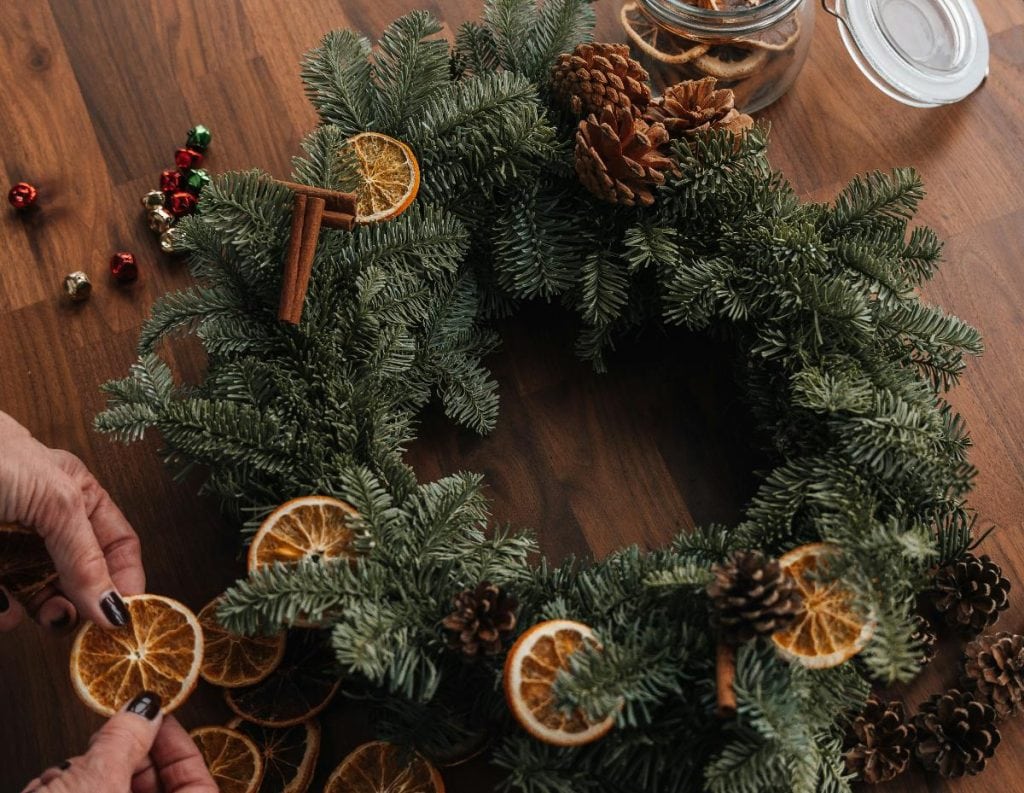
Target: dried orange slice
{"type": "Point", "coordinates": [380, 767]}
{"type": "Point", "coordinates": [730, 62]}
{"type": "Point", "coordinates": [233, 759]}
{"type": "Point", "coordinates": [828, 630]}
{"type": "Point", "coordinates": [310, 527]}
{"type": "Point", "coordinates": [230, 660]}
{"type": "Point", "coordinates": [654, 40]}
{"type": "Point", "coordinates": [390, 176]}
{"type": "Point", "coordinates": [778, 37]}
{"type": "Point", "coordinates": [302, 685]}
{"type": "Point", "coordinates": [160, 651]}
{"type": "Point", "coordinates": [25, 564]}
{"type": "Point", "coordinates": [289, 754]}
{"type": "Point", "coordinates": [531, 667]}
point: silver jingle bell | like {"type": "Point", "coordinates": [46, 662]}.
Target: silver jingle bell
{"type": "Point", "coordinates": [77, 286]}
{"type": "Point", "coordinates": [159, 220]}
{"type": "Point", "coordinates": [172, 241]}
{"type": "Point", "coordinates": [154, 199]}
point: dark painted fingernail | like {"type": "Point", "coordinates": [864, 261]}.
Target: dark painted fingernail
{"type": "Point", "coordinates": [115, 609]}
{"type": "Point", "coordinates": [65, 765]}
{"type": "Point", "coordinates": [145, 704]}
{"type": "Point", "coordinates": [4, 602]}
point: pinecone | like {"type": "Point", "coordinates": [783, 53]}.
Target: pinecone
{"type": "Point", "coordinates": [617, 157]}
{"type": "Point", "coordinates": [969, 593]}
{"type": "Point", "coordinates": [482, 620]}
{"type": "Point", "coordinates": [694, 107]}
{"type": "Point", "coordinates": [879, 742]}
{"type": "Point", "coordinates": [925, 638]}
{"type": "Point", "coordinates": [956, 734]}
{"type": "Point", "coordinates": [595, 75]}
{"type": "Point", "coordinates": [994, 667]}
{"type": "Point", "coordinates": [752, 596]}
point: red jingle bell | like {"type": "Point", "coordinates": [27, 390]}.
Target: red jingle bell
{"type": "Point", "coordinates": [187, 158]}
{"type": "Point", "coordinates": [181, 203]}
{"type": "Point", "coordinates": [22, 195]}
{"type": "Point", "coordinates": [123, 267]}
{"type": "Point", "coordinates": [170, 180]}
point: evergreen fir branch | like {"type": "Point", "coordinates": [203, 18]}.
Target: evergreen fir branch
{"type": "Point", "coordinates": [559, 25]}
{"type": "Point", "coordinates": [872, 196]}
{"type": "Point", "coordinates": [187, 308]}
{"type": "Point", "coordinates": [409, 69]}
{"type": "Point", "coordinates": [328, 162]}
{"type": "Point", "coordinates": [509, 22]}
{"type": "Point", "coordinates": [477, 49]}
{"type": "Point", "coordinates": [339, 82]}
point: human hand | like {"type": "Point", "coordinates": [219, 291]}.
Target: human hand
{"type": "Point", "coordinates": [95, 550]}
{"type": "Point", "coordinates": [137, 751]}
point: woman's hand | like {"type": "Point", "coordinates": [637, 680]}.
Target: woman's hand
{"type": "Point", "coordinates": [138, 751]}
{"type": "Point", "coordinates": [93, 547]}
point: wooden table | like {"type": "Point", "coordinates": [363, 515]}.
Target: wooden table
{"type": "Point", "coordinates": [97, 94]}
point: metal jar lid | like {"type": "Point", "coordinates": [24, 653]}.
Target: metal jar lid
{"type": "Point", "coordinates": [921, 52]}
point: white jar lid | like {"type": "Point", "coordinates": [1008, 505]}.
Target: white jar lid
{"type": "Point", "coordinates": [922, 52]}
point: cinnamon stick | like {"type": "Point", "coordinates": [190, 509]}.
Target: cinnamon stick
{"type": "Point", "coordinates": [339, 220]}
{"type": "Point", "coordinates": [335, 200]}
{"type": "Point", "coordinates": [725, 678]}
{"type": "Point", "coordinates": [307, 250]}
{"type": "Point", "coordinates": [290, 271]}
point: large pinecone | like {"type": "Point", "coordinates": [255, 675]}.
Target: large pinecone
{"type": "Point", "coordinates": [879, 741]}
{"type": "Point", "coordinates": [693, 107]}
{"type": "Point", "coordinates": [752, 596]}
{"type": "Point", "coordinates": [925, 638]}
{"type": "Point", "coordinates": [994, 667]}
{"type": "Point", "coordinates": [482, 620]}
{"type": "Point", "coordinates": [969, 593]}
{"type": "Point", "coordinates": [617, 157]}
{"type": "Point", "coordinates": [595, 75]}
{"type": "Point", "coordinates": [956, 734]}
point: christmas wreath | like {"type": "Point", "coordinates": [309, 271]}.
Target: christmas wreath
{"type": "Point", "coordinates": [739, 658]}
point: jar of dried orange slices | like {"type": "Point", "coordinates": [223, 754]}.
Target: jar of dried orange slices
{"type": "Point", "coordinates": [754, 47]}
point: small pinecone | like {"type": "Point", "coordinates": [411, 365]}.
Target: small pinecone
{"type": "Point", "coordinates": [969, 593]}
{"type": "Point", "coordinates": [752, 596]}
{"type": "Point", "coordinates": [482, 620]}
{"type": "Point", "coordinates": [879, 742]}
{"type": "Point", "coordinates": [617, 157]}
{"type": "Point", "coordinates": [693, 107]}
{"type": "Point", "coordinates": [956, 734]}
{"type": "Point", "coordinates": [925, 638]}
{"type": "Point", "coordinates": [595, 75]}
{"type": "Point", "coordinates": [994, 667]}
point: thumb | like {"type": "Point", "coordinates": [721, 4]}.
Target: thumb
{"type": "Point", "coordinates": [122, 745]}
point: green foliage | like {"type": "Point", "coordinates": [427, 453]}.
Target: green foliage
{"type": "Point", "coordinates": [844, 368]}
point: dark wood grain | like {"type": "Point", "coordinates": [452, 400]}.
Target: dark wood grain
{"type": "Point", "coordinates": [98, 93]}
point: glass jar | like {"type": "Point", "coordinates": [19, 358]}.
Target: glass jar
{"type": "Point", "coordinates": [756, 49]}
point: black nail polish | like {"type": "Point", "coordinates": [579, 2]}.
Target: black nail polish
{"type": "Point", "coordinates": [115, 609]}
{"type": "Point", "coordinates": [4, 602]}
{"type": "Point", "coordinates": [145, 704]}
{"type": "Point", "coordinates": [65, 765]}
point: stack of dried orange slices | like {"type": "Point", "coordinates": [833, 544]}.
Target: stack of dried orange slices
{"type": "Point", "coordinates": [672, 57]}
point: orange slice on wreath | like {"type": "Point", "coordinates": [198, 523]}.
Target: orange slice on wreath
{"type": "Point", "coordinates": [828, 630]}
{"type": "Point", "coordinates": [380, 767]}
{"type": "Point", "coordinates": [389, 176]}
{"type": "Point", "coordinates": [289, 754]}
{"type": "Point", "coordinates": [302, 685]}
{"type": "Point", "coordinates": [531, 667]}
{"type": "Point", "coordinates": [310, 527]}
{"type": "Point", "coordinates": [160, 651]}
{"type": "Point", "coordinates": [655, 41]}
{"type": "Point", "coordinates": [230, 660]}
{"type": "Point", "coordinates": [25, 564]}
{"type": "Point", "coordinates": [233, 759]}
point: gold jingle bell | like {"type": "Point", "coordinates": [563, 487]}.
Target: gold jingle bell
{"type": "Point", "coordinates": [77, 286]}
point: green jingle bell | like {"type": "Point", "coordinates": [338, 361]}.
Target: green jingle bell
{"type": "Point", "coordinates": [197, 179]}
{"type": "Point", "coordinates": [199, 137]}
